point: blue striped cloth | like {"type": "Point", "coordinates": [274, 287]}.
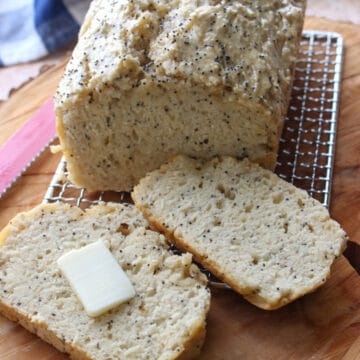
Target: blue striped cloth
{"type": "Point", "coordinates": [30, 29]}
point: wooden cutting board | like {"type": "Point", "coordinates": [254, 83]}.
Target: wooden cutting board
{"type": "Point", "coordinates": [322, 325]}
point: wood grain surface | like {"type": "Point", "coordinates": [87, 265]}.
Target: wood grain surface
{"type": "Point", "coordinates": [322, 325]}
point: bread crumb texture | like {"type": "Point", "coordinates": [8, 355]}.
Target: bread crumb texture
{"type": "Point", "coordinates": [268, 240]}
{"type": "Point", "coordinates": [149, 79]}
{"type": "Point", "coordinates": [165, 320]}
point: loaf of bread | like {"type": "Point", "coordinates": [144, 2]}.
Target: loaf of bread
{"type": "Point", "coordinates": [165, 319]}
{"type": "Point", "coordinates": [268, 240]}
{"type": "Point", "coordinates": [152, 79]}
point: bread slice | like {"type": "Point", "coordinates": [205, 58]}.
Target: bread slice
{"type": "Point", "coordinates": [166, 318]}
{"type": "Point", "coordinates": [153, 79]}
{"type": "Point", "coordinates": [268, 240]}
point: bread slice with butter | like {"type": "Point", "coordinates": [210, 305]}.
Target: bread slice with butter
{"type": "Point", "coordinates": [165, 319]}
{"type": "Point", "coordinates": [268, 240]}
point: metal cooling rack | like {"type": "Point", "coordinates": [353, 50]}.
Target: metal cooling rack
{"type": "Point", "coordinates": [307, 147]}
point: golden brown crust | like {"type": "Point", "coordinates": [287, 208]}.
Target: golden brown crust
{"type": "Point", "coordinates": [268, 161]}
{"type": "Point", "coordinates": [193, 345]}
{"type": "Point", "coordinates": [40, 329]}
{"type": "Point", "coordinates": [4, 234]}
{"type": "Point", "coordinates": [180, 244]}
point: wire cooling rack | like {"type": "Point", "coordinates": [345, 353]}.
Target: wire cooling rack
{"type": "Point", "coordinates": [307, 146]}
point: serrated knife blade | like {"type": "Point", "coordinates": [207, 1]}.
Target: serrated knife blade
{"type": "Point", "coordinates": [18, 153]}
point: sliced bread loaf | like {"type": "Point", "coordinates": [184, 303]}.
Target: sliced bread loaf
{"type": "Point", "coordinates": [268, 240]}
{"type": "Point", "coordinates": [152, 79]}
{"type": "Point", "coordinates": [166, 318]}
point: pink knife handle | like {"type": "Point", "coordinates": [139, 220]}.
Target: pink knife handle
{"type": "Point", "coordinates": [26, 144]}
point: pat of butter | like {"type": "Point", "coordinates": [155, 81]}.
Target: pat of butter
{"type": "Point", "coordinates": [96, 277]}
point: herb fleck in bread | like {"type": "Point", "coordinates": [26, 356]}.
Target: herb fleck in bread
{"type": "Point", "coordinates": [152, 79]}
{"type": "Point", "coordinates": [268, 240]}
{"type": "Point", "coordinates": [165, 320]}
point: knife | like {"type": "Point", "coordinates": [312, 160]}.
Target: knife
{"type": "Point", "coordinates": [23, 148]}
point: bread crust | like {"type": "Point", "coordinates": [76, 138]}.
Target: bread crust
{"type": "Point", "coordinates": [192, 347]}
{"type": "Point", "coordinates": [213, 268]}
{"type": "Point", "coordinates": [40, 329]}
